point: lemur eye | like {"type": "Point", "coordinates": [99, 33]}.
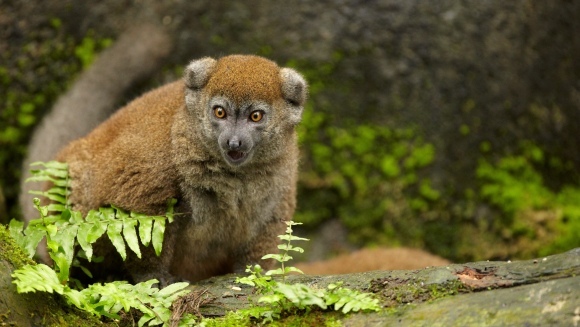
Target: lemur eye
{"type": "Point", "coordinates": [219, 112]}
{"type": "Point", "coordinates": [256, 116]}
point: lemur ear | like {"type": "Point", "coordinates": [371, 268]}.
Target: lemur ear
{"type": "Point", "coordinates": [197, 73]}
{"type": "Point", "coordinates": [295, 91]}
{"type": "Point", "coordinates": [294, 87]}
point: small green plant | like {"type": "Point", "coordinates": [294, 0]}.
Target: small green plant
{"type": "Point", "coordinates": [286, 248]}
{"type": "Point", "coordinates": [282, 298]}
{"type": "Point", "coordinates": [105, 299]}
{"type": "Point", "coordinates": [66, 230]}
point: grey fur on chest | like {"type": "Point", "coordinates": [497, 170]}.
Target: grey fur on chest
{"type": "Point", "coordinates": [224, 222]}
{"type": "Point", "coordinates": [239, 204]}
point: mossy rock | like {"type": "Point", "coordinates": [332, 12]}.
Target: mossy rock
{"type": "Point", "coordinates": [32, 309]}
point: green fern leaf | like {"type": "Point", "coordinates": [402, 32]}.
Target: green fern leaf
{"type": "Point", "coordinates": [56, 195]}
{"type": "Point", "coordinates": [145, 228]}
{"type": "Point", "coordinates": [157, 235]}
{"type": "Point", "coordinates": [29, 238]}
{"type": "Point", "coordinates": [170, 207]}
{"type": "Point", "coordinates": [51, 164]}
{"type": "Point", "coordinates": [129, 230]}
{"type": "Point", "coordinates": [289, 247]}
{"type": "Point", "coordinates": [277, 271]}
{"type": "Point", "coordinates": [171, 290]}
{"type": "Point", "coordinates": [65, 238]}
{"type": "Point", "coordinates": [33, 238]}
{"type": "Point", "coordinates": [61, 263]}
{"type": "Point", "coordinates": [114, 232]}
{"type": "Point", "coordinates": [32, 278]}
{"type": "Point", "coordinates": [130, 234]}
{"type": "Point", "coordinates": [98, 228]}
{"type": "Point", "coordinates": [287, 237]}
{"type": "Point", "coordinates": [89, 232]}
{"type": "Point", "coordinates": [292, 269]}
{"type": "Point", "coordinates": [76, 217]}
{"type": "Point", "coordinates": [56, 207]}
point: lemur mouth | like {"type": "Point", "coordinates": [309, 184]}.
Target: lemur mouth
{"type": "Point", "coordinates": [236, 155]}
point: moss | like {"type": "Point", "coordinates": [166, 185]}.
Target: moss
{"type": "Point", "coordinates": [376, 181]}
{"type": "Point", "coordinates": [233, 319]}
{"type": "Point", "coordinates": [398, 291]}
{"type": "Point", "coordinates": [371, 177]}
{"type": "Point", "coordinates": [316, 318]}
{"type": "Point", "coordinates": [10, 251]}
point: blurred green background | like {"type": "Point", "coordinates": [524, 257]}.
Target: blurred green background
{"type": "Point", "coordinates": [452, 126]}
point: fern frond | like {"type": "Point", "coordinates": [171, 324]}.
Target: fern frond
{"type": "Point", "coordinates": [105, 299]}
{"type": "Point", "coordinates": [64, 228]}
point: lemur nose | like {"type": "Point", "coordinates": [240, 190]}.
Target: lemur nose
{"type": "Point", "coordinates": [234, 143]}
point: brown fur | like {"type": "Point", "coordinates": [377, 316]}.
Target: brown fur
{"type": "Point", "coordinates": [162, 145]}
{"type": "Point", "coordinates": [373, 259]}
{"type": "Point", "coordinates": [246, 77]}
{"type": "Point", "coordinates": [128, 156]}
